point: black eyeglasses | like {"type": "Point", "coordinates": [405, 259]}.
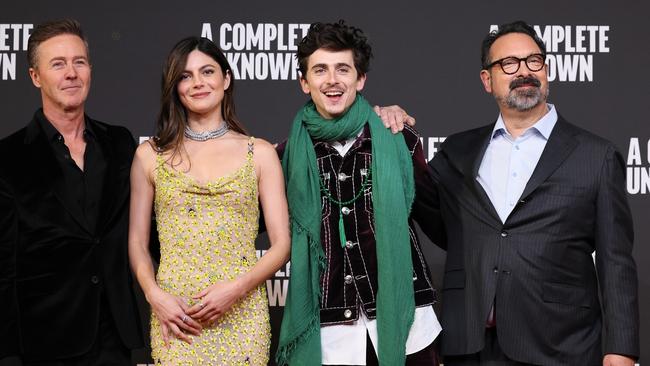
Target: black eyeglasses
{"type": "Point", "coordinates": [510, 65]}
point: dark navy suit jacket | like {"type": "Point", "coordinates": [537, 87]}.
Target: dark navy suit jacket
{"type": "Point", "coordinates": [552, 300]}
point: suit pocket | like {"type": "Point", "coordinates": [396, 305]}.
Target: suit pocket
{"type": "Point", "coordinates": [454, 279]}
{"type": "Point", "coordinates": [561, 293]}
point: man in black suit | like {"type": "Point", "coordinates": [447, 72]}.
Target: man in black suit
{"type": "Point", "coordinates": [66, 293]}
{"type": "Point", "coordinates": [524, 202]}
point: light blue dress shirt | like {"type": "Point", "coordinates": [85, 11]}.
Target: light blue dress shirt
{"type": "Point", "coordinates": [509, 162]}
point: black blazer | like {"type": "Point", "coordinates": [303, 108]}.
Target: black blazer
{"type": "Point", "coordinates": [537, 267]}
{"type": "Point", "coordinates": [52, 269]}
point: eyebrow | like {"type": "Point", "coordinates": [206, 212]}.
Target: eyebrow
{"type": "Point", "coordinates": [62, 58]}
{"type": "Point", "coordinates": [528, 55]}
{"type": "Point", "coordinates": [340, 64]}
{"type": "Point", "coordinates": [202, 67]}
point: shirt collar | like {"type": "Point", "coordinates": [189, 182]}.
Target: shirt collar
{"type": "Point", "coordinates": [50, 132]}
{"type": "Point", "coordinates": [544, 126]}
{"type": "Point", "coordinates": [53, 134]}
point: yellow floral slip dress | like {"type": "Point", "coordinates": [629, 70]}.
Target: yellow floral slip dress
{"type": "Point", "coordinates": [207, 234]}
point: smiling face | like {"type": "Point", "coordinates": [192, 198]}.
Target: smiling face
{"type": "Point", "coordinates": [523, 90]}
{"type": "Point", "coordinates": [332, 81]}
{"type": "Point", "coordinates": [62, 72]}
{"type": "Point", "coordinates": [202, 85]}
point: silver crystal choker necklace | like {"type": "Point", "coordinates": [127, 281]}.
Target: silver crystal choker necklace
{"type": "Point", "coordinates": [206, 135]}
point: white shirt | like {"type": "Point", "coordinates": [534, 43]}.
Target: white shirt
{"type": "Point", "coordinates": [345, 344]}
{"type": "Point", "coordinates": [509, 163]}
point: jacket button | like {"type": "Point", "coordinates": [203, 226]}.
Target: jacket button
{"type": "Point", "coordinates": [347, 314]}
{"type": "Point", "coordinates": [504, 234]}
{"type": "Point", "coordinates": [94, 279]}
{"type": "Point", "coordinates": [349, 244]}
{"type": "Point", "coordinates": [345, 210]}
{"type": "Point", "coordinates": [495, 270]}
{"type": "Point", "coordinates": [97, 240]}
{"type": "Point", "coordinates": [348, 279]}
{"type": "Point", "coordinates": [343, 177]}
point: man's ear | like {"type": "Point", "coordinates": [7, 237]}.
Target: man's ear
{"type": "Point", "coordinates": [486, 79]}
{"type": "Point", "coordinates": [36, 79]}
{"type": "Point", "coordinates": [304, 84]}
{"type": "Point", "coordinates": [361, 81]}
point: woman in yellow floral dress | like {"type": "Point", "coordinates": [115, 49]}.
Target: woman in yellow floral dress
{"type": "Point", "coordinates": [204, 178]}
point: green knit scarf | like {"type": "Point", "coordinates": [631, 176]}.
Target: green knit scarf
{"type": "Point", "coordinates": [392, 194]}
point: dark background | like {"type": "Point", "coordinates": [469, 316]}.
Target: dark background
{"type": "Point", "coordinates": [427, 60]}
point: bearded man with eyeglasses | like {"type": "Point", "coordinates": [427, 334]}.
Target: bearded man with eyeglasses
{"type": "Point", "coordinates": [523, 204]}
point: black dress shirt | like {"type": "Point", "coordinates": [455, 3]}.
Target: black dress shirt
{"type": "Point", "coordinates": [83, 187]}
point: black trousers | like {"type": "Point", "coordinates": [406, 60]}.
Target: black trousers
{"type": "Point", "coordinates": [425, 357]}
{"type": "Point", "coordinates": [490, 355]}
{"type": "Point", "coordinates": [107, 350]}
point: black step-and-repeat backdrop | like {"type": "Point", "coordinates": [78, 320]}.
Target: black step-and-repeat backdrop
{"type": "Point", "coordinates": [427, 59]}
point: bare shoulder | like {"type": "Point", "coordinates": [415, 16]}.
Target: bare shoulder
{"type": "Point", "coordinates": [265, 157]}
{"type": "Point", "coordinates": [264, 149]}
{"type": "Point", "coordinates": [146, 150]}
{"type": "Point", "coordinates": [145, 155]}
{"type": "Point", "coordinates": [261, 144]}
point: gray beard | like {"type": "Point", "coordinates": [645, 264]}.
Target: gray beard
{"type": "Point", "coordinates": [524, 100]}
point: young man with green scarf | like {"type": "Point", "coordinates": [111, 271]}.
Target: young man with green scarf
{"type": "Point", "coordinates": [360, 281]}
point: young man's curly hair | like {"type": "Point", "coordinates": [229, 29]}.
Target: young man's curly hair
{"type": "Point", "coordinates": [335, 37]}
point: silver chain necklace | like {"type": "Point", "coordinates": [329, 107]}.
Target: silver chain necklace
{"type": "Point", "coordinates": [206, 135]}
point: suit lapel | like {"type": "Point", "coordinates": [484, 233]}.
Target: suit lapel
{"type": "Point", "coordinates": [559, 145]}
{"type": "Point", "coordinates": [46, 168]}
{"type": "Point", "coordinates": [469, 155]}
{"type": "Point", "coordinates": [488, 207]}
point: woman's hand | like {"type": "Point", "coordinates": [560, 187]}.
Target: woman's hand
{"type": "Point", "coordinates": [214, 301]}
{"type": "Point", "coordinates": [171, 313]}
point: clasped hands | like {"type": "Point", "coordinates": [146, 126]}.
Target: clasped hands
{"type": "Point", "coordinates": [181, 320]}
